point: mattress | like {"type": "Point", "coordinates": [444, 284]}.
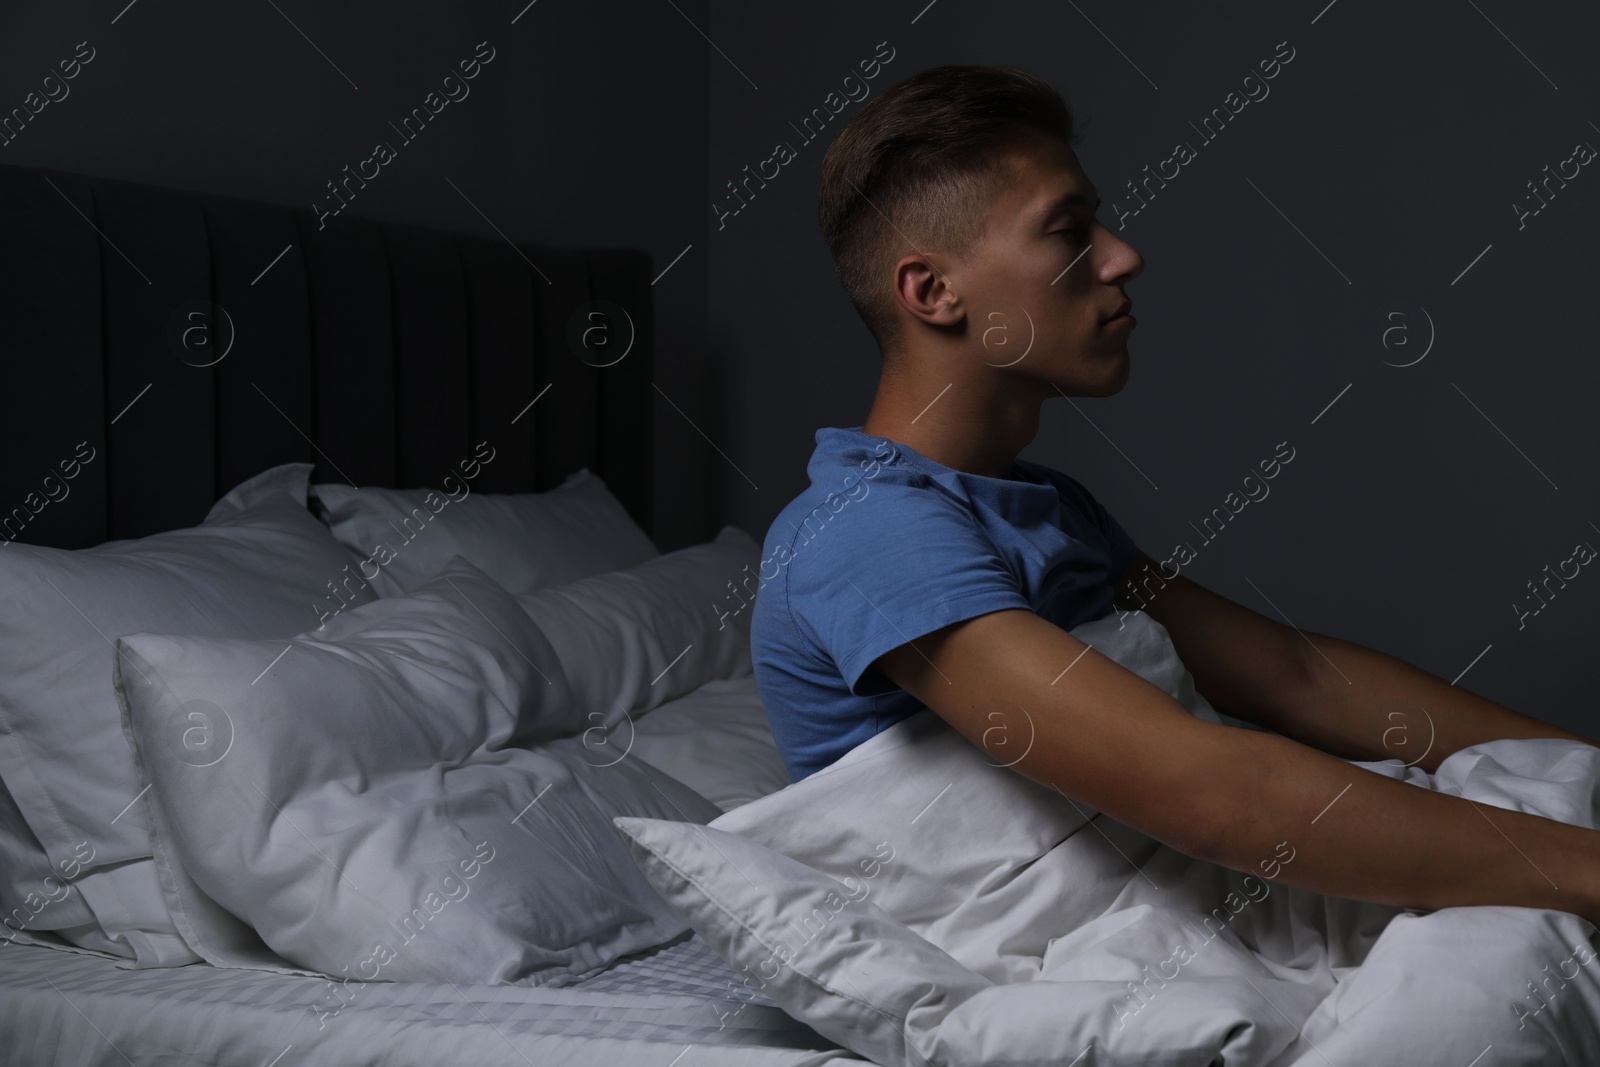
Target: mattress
{"type": "Point", "coordinates": [672, 1006]}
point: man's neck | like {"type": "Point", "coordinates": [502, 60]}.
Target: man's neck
{"type": "Point", "coordinates": [978, 425]}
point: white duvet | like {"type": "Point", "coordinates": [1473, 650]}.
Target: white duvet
{"type": "Point", "coordinates": [1074, 939]}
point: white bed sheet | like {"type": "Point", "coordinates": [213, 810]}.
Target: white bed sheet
{"type": "Point", "coordinates": [671, 1006]}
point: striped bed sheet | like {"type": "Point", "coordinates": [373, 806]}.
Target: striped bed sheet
{"type": "Point", "coordinates": [672, 1006]}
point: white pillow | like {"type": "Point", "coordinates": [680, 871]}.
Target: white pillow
{"type": "Point", "coordinates": [715, 740]}
{"type": "Point", "coordinates": [1011, 862]}
{"type": "Point", "coordinates": [825, 952]}
{"type": "Point", "coordinates": [354, 797]}
{"type": "Point", "coordinates": [291, 478]}
{"type": "Point", "coordinates": [633, 639]}
{"type": "Point", "coordinates": [524, 541]}
{"type": "Point", "coordinates": [265, 571]}
{"type": "Point", "coordinates": [36, 911]}
{"type": "Point", "coordinates": [818, 947]}
{"type": "Point", "coordinates": [54, 903]}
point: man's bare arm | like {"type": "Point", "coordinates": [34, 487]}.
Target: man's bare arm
{"type": "Point", "coordinates": [1418, 717]}
{"type": "Point", "coordinates": [1104, 736]}
{"type": "Point", "coordinates": [1343, 698]}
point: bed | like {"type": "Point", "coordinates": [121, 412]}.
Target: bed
{"type": "Point", "coordinates": [349, 714]}
{"type": "Point", "coordinates": [166, 346]}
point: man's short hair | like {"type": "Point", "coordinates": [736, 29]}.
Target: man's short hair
{"type": "Point", "coordinates": [917, 168]}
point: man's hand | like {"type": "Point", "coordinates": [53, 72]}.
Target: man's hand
{"type": "Point", "coordinates": [1335, 695]}
{"type": "Point", "coordinates": [1039, 700]}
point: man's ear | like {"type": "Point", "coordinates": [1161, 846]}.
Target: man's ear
{"type": "Point", "coordinates": [927, 292]}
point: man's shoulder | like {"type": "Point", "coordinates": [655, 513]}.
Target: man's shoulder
{"type": "Point", "coordinates": [851, 508]}
{"type": "Point", "coordinates": [859, 514]}
{"type": "Point", "coordinates": [1064, 483]}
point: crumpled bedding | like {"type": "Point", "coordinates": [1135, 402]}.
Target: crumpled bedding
{"type": "Point", "coordinates": [1099, 939]}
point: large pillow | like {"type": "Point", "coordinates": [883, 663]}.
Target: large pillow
{"type": "Point", "coordinates": [524, 541]}
{"type": "Point", "coordinates": [38, 912]}
{"type": "Point", "coordinates": [31, 913]}
{"type": "Point", "coordinates": [291, 478]}
{"type": "Point", "coordinates": [825, 952]}
{"type": "Point", "coordinates": [633, 639]}
{"type": "Point", "coordinates": [350, 799]}
{"type": "Point", "coordinates": [267, 570]}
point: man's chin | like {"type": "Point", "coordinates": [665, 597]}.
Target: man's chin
{"type": "Point", "coordinates": [1125, 365]}
{"type": "Point", "coordinates": [1107, 379]}
{"type": "Point", "coordinates": [1109, 384]}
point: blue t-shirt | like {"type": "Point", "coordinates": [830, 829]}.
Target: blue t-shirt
{"type": "Point", "coordinates": [885, 546]}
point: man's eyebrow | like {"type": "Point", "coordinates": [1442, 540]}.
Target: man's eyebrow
{"type": "Point", "coordinates": [1060, 204]}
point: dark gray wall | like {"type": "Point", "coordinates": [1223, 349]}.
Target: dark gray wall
{"type": "Point", "coordinates": [587, 129]}
{"type": "Point", "coordinates": [1387, 157]}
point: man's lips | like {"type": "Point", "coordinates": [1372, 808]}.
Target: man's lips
{"type": "Point", "coordinates": [1122, 320]}
{"type": "Point", "coordinates": [1124, 308]}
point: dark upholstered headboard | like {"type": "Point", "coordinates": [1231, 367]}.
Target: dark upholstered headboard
{"type": "Point", "coordinates": [191, 341]}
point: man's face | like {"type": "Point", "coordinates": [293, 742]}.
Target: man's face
{"type": "Point", "coordinates": [1046, 276]}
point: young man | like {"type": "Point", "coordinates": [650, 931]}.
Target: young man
{"type": "Point", "coordinates": [927, 565]}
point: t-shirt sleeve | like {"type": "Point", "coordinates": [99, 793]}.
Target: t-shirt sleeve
{"type": "Point", "coordinates": [898, 564]}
